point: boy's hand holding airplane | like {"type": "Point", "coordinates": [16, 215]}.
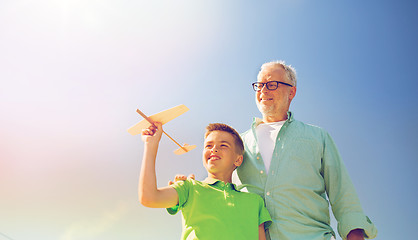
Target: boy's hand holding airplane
{"type": "Point", "coordinates": [152, 134]}
{"type": "Point", "coordinates": [162, 118]}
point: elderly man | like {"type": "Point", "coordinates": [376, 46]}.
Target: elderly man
{"type": "Point", "coordinates": [296, 167]}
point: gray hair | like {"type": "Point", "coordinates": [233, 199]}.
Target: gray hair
{"type": "Point", "coordinates": [290, 71]}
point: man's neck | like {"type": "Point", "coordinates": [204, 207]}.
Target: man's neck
{"type": "Point", "coordinates": [275, 118]}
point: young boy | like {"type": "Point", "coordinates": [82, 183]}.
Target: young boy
{"type": "Point", "coordinates": [212, 209]}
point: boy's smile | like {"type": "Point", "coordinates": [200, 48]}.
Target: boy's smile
{"type": "Point", "coordinates": [213, 157]}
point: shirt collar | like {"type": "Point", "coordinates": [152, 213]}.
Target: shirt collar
{"type": "Point", "coordinates": [257, 121]}
{"type": "Point", "coordinates": [210, 181]}
{"type": "Point", "coordinates": [214, 182]}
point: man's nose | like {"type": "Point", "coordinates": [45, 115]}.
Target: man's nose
{"type": "Point", "coordinates": [264, 88]}
{"type": "Point", "coordinates": [214, 149]}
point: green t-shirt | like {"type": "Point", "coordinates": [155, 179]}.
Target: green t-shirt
{"type": "Point", "coordinates": [214, 210]}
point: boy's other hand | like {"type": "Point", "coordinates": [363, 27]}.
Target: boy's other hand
{"type": "Point", "coordinates": [180, 177]}
{"type": "Point", "coordinates": [153, 133]}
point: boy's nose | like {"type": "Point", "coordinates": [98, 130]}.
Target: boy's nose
{"type": "Point", "coordinates": [214, 149]}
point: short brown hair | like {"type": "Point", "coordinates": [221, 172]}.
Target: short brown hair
{"type": "Point", "coordinates": [226, 128]}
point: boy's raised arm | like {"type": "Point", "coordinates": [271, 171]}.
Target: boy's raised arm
{"type": "Point", "coordinates": [148, 193]}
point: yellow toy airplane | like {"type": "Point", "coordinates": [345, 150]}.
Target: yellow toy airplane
{"type": "Point", "coordinates": [162, 117]}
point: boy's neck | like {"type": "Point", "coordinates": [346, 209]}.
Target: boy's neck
{"type": "Point", "coordinates": [226, 178]}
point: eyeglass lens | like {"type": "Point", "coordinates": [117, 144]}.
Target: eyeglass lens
{"type": "Point", "coordinates": [269, 85]}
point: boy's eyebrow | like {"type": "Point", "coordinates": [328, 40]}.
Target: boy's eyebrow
{"type": "Point", "coordinates": [220, 142]}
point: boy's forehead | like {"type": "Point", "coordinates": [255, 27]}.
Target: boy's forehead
{"type": "Point", "coordinates": [219, 136]}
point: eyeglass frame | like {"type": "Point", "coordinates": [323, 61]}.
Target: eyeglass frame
{"type": "Point", "coordinates": [266, 84]}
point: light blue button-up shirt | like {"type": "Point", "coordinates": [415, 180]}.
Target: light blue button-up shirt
{"type": "Point", "coordinates": [305, 168]}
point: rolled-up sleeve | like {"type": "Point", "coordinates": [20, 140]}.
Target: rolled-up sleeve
{"type": "Point", "coordinates": [342, 195]}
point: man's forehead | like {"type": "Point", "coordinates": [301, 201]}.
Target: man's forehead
{"type": "Point", "coordinates": [271, 73]}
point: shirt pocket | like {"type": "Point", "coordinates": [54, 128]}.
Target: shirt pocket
{"type": "Point", "coordinates": [301, 162]}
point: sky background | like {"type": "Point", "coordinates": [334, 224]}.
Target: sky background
{"type": "Point", "coordinates": [72, 74]}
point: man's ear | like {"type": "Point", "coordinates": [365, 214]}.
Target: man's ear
{"type": "Point", "coordinates": [239, 160]}
{"type": "Point", "coordinates": [292, 93]}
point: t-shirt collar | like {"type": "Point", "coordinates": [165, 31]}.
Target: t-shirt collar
{"type": "Point", "coordinates": [257, 121]}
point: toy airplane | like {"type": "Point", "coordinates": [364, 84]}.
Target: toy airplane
{"type": "Point", "coordinates": [162, 117]}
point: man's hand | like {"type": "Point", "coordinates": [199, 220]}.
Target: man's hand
{"type": "Point", "coordinates": [356, 234]}
{"type": "Point", "coordinates": [180, 177]}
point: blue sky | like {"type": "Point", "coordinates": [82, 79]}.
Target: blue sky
{"type": "Point", "coordinates": [72, 74]}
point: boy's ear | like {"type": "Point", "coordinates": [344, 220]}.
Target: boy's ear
{"type": "Point", "coordinates": [239, 160]}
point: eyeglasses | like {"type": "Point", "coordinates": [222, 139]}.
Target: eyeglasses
{"type": "Point", "coordinates": [272, 85]}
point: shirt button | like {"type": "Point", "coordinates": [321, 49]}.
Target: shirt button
{"type": "Point", "coordinates": [268, 193]}
{"type": "Point", "coordinates": [261, 172]}
{"type": "Point", "coordinates": [258, 158]}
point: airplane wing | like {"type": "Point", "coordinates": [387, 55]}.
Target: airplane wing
{"type": "Point", "coordinates": [184, 149]}
{"type": "Point", "coordinates": [162, 117]}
